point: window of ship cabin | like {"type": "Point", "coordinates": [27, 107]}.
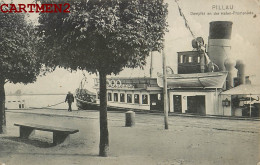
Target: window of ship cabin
{"type": "Point", "coordinates": [109, 96]}
{"type": "Point", "coordinates": [116, 97]}
{"type": "Point", "coordinates": [181, 59]}
{"type": "Point", "coordinates": [190, 59]}
{"type": "Point", "coordinates": [144, 99]}
{"type": "Point", "coordinates": [136, 99]}
{"type": "Point", "coordinates": [129, 98]}
{"type": "Point", "coordinates": [159, 96]}
{"type": "Point", "coordinates": [122, 97]}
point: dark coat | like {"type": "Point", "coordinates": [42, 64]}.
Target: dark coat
{"type": "Point", "coordinates": [69, 98]}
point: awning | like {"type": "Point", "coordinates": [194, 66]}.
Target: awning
{"type": "Point", "coordinates": [246, 89]}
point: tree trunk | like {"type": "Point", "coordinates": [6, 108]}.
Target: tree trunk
{"type": "Point", "coordinates": [2, 107]}
{"type": "Point", "coordinates": [104, 140]}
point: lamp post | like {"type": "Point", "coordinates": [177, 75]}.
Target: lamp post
{"type": "Point", "coordinates": [250, 108]}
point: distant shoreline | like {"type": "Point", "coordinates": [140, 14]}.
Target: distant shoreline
{"type": "Point", "coordinates": [37, 94]}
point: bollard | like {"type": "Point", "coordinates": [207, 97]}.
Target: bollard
{"type": "Point", "coordinates": [129, 118]}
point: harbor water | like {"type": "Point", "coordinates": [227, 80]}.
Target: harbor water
{"type": "Point", "coordinates": [38, 101]}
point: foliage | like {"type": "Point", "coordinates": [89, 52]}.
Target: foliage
{"type": "Point", "coordinates": [18, 59]}
{"type": "Point", "coordinates": [102, 36]}
{"type": "Point", "coordinates": [105, 35]}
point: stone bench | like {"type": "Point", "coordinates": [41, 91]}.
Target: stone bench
{"type": "Point", "coordinates": [59, 134]}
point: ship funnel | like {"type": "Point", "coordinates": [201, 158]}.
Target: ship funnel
{"type": "Point", "coordinates": [219, 46]}
{"type": "Point", "coordinates": [232, 72]}
{"type": "Point", "coordinates": [241, 72]}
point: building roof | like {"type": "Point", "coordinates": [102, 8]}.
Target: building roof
{"type": "Point", "coordinates": [245, 89]}
{"type": "Point", "coordinates": [210, 80]}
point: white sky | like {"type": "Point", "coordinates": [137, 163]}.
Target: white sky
{"type": "Point", "coordinates": [245, 42]}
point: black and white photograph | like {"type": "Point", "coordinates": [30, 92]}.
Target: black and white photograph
{"type": "Point", "coordinates": [130, 82]}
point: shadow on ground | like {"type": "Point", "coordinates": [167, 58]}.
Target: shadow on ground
{"type": "Point", "coordinates": [33, 142]}
{"type": "Point", "coordinates": [53, 154]}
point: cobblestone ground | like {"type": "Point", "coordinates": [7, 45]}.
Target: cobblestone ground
{"type": "Point", "coordinates": [189, 140]}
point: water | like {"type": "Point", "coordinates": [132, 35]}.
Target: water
{"type": "Point", "coordinates": [37, 101]}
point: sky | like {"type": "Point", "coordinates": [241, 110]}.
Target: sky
{"type": "Point", "coordinates": [245, 43]}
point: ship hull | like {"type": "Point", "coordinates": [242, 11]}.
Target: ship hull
{"type": "Point", "coordinates": [85, 105]}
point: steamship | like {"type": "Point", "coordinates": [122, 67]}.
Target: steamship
{"type": "Point", "coordinates": [203, 74]}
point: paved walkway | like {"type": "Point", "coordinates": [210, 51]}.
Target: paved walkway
{"type": "Point", "coordinates": [82, 114]}
{"type": "Point", "coordinates": [212, 122]}
{"type": "Point", "coordinates": [189, 141]}
{"type": "Point", "coordinates": [60, 112]}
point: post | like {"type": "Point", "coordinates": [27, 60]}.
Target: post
{"type": "Point", "coordinates": [165, 91]}
{"type": "Point", "coordinates": [250, 105]}
{"type": "Point", "coordinates": [223, 110]}
{"type": "Point", "coordinates": [129, 118]}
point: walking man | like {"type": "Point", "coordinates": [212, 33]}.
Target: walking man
{"type": "Point", "coordinates": [70, 99]}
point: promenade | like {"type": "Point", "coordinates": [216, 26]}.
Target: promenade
{"type": "Point", "coordinates": [189, 140]}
